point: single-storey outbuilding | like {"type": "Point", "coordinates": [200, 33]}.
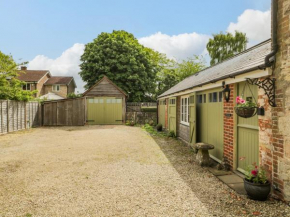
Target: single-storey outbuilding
{"type": "Point", "coordinates": [105, 103]}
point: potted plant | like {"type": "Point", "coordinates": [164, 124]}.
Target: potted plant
{"type": "Point", "coordinates": [245, 108]}
{"type": "Point", "coordinates": [256, 183]}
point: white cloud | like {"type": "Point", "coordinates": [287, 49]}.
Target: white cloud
{"type": "Point", "coordinates": [67, 64]}
{"type": "Point", "coordinates": [177, 46]}
{"type": "Point", "coordinates": [256, 24]}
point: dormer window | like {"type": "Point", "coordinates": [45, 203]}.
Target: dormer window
{"type": "Point", "coordinates": [56, 87]}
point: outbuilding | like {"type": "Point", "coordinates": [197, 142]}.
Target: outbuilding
{"type": "Point", "coordinates": [105, 103]}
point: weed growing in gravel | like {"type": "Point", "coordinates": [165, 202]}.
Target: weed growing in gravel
{"type": "Point", "coordinates": [153, 131]}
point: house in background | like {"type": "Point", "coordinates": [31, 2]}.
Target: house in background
{"type": "Point", "coordinates": [57, 87]}
{"type": "Point", "coordinates": [60, 85]}
{"type": "Point", "coordinates": [34, 79]}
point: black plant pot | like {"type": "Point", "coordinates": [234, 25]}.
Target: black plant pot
{"type": "Point", "coordinates": [257, 191]}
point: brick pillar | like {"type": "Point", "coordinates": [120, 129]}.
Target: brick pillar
{"type": "Point", "coordinates": [229, 128]}
{"type": "Point", "coordinates": [278, 128]}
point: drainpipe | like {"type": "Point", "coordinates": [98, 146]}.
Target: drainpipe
{"type": "Point", "coordinates": [268, 63]}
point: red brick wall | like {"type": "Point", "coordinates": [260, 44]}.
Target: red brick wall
{"type": "Point", "coordinates": [229, 128]}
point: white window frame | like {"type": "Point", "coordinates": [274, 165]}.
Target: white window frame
{"type": "Point", "coordinates": [184, 110]}
{"type": "Point", "coordinates": [27, 85]}
{"type": "Point", "coordinates": [56, 87]}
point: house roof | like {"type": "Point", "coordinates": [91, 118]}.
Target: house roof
{"type": "Point", "coordinates": [59, 80]}
{"type": "Point", "coordinates": [248, 60]}
{"type": "Point", "coordinates": [51, 96]}
{"type": "Point", "coordinates": [99, 81]}
{"type": "Point", "coordinates": [31, 75]}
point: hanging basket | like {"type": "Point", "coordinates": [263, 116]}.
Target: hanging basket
{"type": "Point", "coordinates": [246, 112]}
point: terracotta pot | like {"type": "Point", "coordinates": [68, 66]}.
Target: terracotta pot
{"type": "Point", "coordinates": [257, 191]}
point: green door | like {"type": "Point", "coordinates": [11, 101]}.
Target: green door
{"type": "Point", "coordinates": [248, 133]}
{"type": "Point", "coordinates": [210, 120]}
{"type": "Point", "coordinates": [104, 110]}
{"type": "Point", "coordinates": [172, 114]}
{"type": "Point", "coordinates": [192, 118]}
{"type": "Point", "coordinates": [161, 112]}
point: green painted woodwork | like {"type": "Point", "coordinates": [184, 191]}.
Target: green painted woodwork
{"type": "Point", "coordinates": [210, 120]}
{"type": "Point", "coordinates": [192, 118]}
{"type": "Point", "coordinates": [104, 110]}
{"type": "Point", "coordinates": [161, 112]}
{"type": "Point", "coordinates": [172, 114]}
{"type": "Point", "coordinates": [247, 133]}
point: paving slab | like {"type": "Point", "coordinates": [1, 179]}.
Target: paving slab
{"type": "Point", "coordinates": [230, 179]}
{"type": "Point", "coordinates": [238, 187]}
{"type": "Point", "coordinates": [217, 172]}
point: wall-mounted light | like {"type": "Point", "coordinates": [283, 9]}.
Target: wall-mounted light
{"type": "Point", "coordinates": [226, 91]}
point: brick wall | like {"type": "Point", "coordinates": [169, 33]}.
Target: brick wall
{"type": "Point", "coordinates": [40, 86]}
{"type": "Point", "coordinates": [274, 134]}
{"type": "Point", "coordinates": [62, 92]}
{"type": "Point", "coordinates": [229, 128]}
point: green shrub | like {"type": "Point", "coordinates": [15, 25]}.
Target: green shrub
{"type": "Point", "coordinates": [172, 134]}
{"type": "Point", "coordinates": [151, 123]}
{"type": "Point", "coordinates": [159, 127]}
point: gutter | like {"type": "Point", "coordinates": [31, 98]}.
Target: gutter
{"type": "Point", "coordinates": [269, 63]}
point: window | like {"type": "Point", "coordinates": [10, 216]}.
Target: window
{"type": "Point", "coordinates": [109, 101]}
{"type": "Point", "coordinates": [199, 98]}
{"type": "Point", "coordinates": [119, 100]}
{"type": "Point", "coordinates": [220, 96]}
{"type": "Point", "coordinates": [184, 110]}
{"type": "Point", "coordinates": [56, 87]}
{"type": "Point", "coordinates": [213, 97]}
{"type": "Point", "coordinates": [91, 100]}
{"type": "Point", "coordinates": [96, 100]}
{"type": "Point", "coordinates": [204, 98]}
{"type": "Point", "coordinates": [172, 101]}
{"type": "Point", "coordinates": [26, 86]}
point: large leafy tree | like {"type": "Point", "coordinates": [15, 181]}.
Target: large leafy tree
{"type": "Point", "coordinates": [10, 86]}
{"type": "Point", "coordinates": [120, 57]}
{"type": "Point", "coordinates": [223, 46]}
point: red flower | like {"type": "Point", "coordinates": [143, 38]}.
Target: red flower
{"type": "Point", "coordinates": [254, 172]}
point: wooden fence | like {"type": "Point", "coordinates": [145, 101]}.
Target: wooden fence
{"type": "Point", "coordinates": [16, 115]}
{"type": "Point", "coordinates": [67, 112]}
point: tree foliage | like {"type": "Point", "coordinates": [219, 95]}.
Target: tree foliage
{"type": "Point", "coordinates": [120, 57]}
{"type": "Point", "coordinates": [224, 46]}
{"type": "Point", "coordinates": [172, 72]}
{"type": "Point", "coordinates": [10, 86]}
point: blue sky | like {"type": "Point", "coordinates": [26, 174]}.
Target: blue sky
{"type": "Point", "coordinates": [44, 30]}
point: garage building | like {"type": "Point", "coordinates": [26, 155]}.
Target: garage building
{"type": "Point", "coordinates": [105, 102]}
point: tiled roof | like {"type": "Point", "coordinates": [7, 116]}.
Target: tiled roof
{"type": "Point", "coordinates": [249, 59]}
{"type": "Point", "coordinates": [58, 80]}
{"type": "Point", "coordinates": [31, 75]}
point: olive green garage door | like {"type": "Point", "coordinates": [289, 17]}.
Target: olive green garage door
{"type": "Point", "coordinates": [161, 112]}
{"type": "Point", "coordinates": [210, 120]}
{"type": "Point", "coordinates": [104, 110]}
{"type": "Point", "coordinates": [172, 115]}
{"type": "Point", "coordinates": [248, 133]}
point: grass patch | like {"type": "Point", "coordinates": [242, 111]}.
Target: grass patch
{"type": "Point", "coordinates": [150, 129]}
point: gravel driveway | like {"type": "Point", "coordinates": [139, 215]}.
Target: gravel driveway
{"type": "Point", "coordinates": [91, 171]}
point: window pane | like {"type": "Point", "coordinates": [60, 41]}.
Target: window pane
{"type": "Point", "coordinates": [210, 97]}
{"type": "Point", "coordinates": [220, 96]}
{"type": "Point", "coordinates": [28, 86]}
{"type": "Point", "coordinates": [101, 101]}
{"type": "Point", "coordinates": [91, 100]}
{"type": "Point", "coordinates": [108, 100]}
{"type": "Point", "coordinates": [215, 97]}
{"type": "Point", "coordinates": [204, 98]}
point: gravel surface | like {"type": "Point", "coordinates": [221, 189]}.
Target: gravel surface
{"type": "Point", "coordinates": [90, 171]}
{"type": "Point", "coordinates": [112, 171]}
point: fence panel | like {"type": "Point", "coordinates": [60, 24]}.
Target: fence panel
{"type": "Point", "coordinates": [68, 112]}
{"type": "Point", "coordinates": [16, 115]}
